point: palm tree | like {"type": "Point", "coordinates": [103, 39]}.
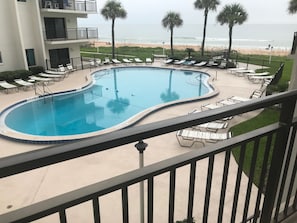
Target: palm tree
{"type": "Point", "coordinates": [171, 20]}
{"type": "Point", "coordinates": [113, 10]}
{"type": "Point", "coordinates": [207, 5]}
{"type": "Point", "coordinates": [292, 6]}
{"type": "Point", "coordinates": [231, 15]}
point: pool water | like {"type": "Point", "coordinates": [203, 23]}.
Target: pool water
{"type": "Point", "coordinates": [115, 96]}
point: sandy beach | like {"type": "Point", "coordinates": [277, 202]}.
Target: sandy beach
{"type": "Point", "coordinates": [247, 51]}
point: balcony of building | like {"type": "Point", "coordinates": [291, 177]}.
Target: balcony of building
{"type": "Point", "coordinates": [78, 7]}
{"type": "Point", "coordinates": [70, 35]}
{"type": "Point", "coordinates": [153, 193]}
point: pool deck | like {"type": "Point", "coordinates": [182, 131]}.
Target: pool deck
{"type": "Point", "coordinates": [43, 183]}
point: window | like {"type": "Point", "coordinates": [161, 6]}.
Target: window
{"type": "Point", "coordinates": [22, 0]}
{"type": "Point", "coordinates": [1, 61]}
{"type": "Point", "coordinates": [30, 57]}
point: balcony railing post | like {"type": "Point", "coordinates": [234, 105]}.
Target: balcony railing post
{"type": "Point", "coordinates": [140, 146]}
{"type": "Point", "coordinates": [279, 151]}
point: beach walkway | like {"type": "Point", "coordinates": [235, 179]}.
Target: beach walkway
{"type": "Point", "coordinates": [30, 187]}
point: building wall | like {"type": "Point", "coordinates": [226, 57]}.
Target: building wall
{"type": "Point", "coordinates": [29, 25]}
{"type": "Point", "coordinates": [10, 43]}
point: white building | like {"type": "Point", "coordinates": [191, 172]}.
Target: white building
{"type": "Point", "coordinates": [43, 32]}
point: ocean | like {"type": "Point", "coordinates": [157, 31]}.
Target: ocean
{"type": "Point", "coordinates": [253, 36]}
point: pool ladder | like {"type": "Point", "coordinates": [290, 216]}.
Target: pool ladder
{"type": "Point", "coordinates": [42, 91]}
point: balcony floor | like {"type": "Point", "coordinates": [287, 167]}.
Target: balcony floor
{"type": "Point", "coordinates": [57, 179]}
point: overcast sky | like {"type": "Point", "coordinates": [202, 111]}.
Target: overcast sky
{"type": "Point", "coordinates": [153, 11]}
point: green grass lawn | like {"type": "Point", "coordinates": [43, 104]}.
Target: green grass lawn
{"type": "Point", "coordinates": [266, 117]}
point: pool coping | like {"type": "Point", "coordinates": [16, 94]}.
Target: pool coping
{"type": "Point", "coordinates": [11, 134]}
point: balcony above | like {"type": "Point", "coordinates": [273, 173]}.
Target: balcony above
{"type": "Point", "coordinates": [75, 35]}
{"type": "Point", "coordinates": [78, 7]}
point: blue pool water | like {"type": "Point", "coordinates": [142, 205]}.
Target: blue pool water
{"type": "Point", "coordinates": [115, 96]}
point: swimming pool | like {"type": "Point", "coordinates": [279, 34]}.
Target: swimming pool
{"type": "Point", "coordinates": [117, 97]}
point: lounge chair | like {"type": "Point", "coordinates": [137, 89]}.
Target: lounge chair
{"type": "Point", "coordinates": [115, 61]}
{"type": "Point", "coordinates": [61, 68]}
{"type": "Point", "coordinates": [238, 99]}
{"type": "Point", "coordinates": [212, 63]}
{"type": "Point", "coordinates": [53, 76]}
{"type": "Point", "coordinates": [24, 84]}
{"type": "Point", "coordinates": [213, 126]}
{"type": "Point", "coordinates": [249, 75]}
{"type": "Point", "coordinates": [244, 72]}
{"type": "Point", "coordinates": [98, 62]}
{"type": "Point", "coordinates": [259, 79]}
{"type": "Point", "coordinates": [189, 62]}
{"type": "Point", "coordinates": [192, 136]}
{"type": "Point", "coordinates": [223, 64]}
{"type": "Point", "coordinates": [200, 64]}
{"type": "Point", "coordinates": [125, 60]}
{"type": "Point", "coordinates": [40, 79]}
{"type": "Point", "coordinates": [137, 60]}
{"type": "Point", "coordinates": [56, 72]}
{"type": "Point", "coordinates": [168, 61]}
{"type": "Point", "coordinates": [7, 86]}
{"type": "Point", "coordinates": [106, 61]}
{"type": "Point", "coordinates": [234, 70]}
{"type": "Point", "coordinates": [148, 60]}
{"type": "Point", "coordinates": [215, 106]}
{"type": "Point", "coordinates": [70, 67]}
{"type": "Point", "coordinates": [179, 62]}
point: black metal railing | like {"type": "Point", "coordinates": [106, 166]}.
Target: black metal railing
{"type": "Point", "coordinates": [294, 44]}
{"type": "Point", "coordinates": [72, 34]}
{"type": "Point", "coordinates": [234, 200]}
{"type": "Point", "coordinates": [89, 6]}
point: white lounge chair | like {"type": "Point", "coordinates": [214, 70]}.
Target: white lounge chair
{"type": "Point", "coordinates": [212, 63]}
{"type": "Point", "coordinates": [7, 86]}
{"type": "Point", "coordinates": [41, 79]}
{"type": "Point", "coordinates": [233, 70]}
{"type": "Point", "coordinates": [61, 68]}
{"type": "Point", "coordinates": [249, 75]}
{"type": "Point", "coordinates": [213, 126]}
{"type": "Point", "coordinates": [70, 67]}
{"type": "Point", "coordinates": [191, 136]}
{"type": "Point", "coordinates": [200, 64]}
{"type": "Point", "coordinates": [53, 76]}
{"type": "Point", "coordinates": [137, 60]}
{"type": "Point", "coordinates": [115, 61]}
{"type": "Point", "coordinates": [98, 62]}
{"type": "Point", "coordinates": [56, 72]}
{"type": "Point", "coordinates": [24, 84]}
{"type": "Point", "coordinates": [148, 60]}
{"type": "Point", "coordinates": [238, 99]}
{"type": "Point", "coordinates": [168, 61]}
{"type": "Point", "coordinates": [259, 79]}
{"type": "Point", "coordinates": [106, 61]}
{"type": "Point", "coordinates": [125, 60]}
{"type": "Point", "coordinates": [179, 62]}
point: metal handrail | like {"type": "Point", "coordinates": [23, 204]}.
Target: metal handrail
{"type": "Point", "coordinates": [72, 34]}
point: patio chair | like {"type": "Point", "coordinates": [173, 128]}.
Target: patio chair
{"type": "Point", "coordinates": [125, 60]}
{"type": "Point", "coordinates": [168, 61]}
{"type": "Point", "coordinates": [188, 137]}
{"type": "Point", "coordinates": [212, 126]}
{"type": "Point", "coordinates": [115, 61]}
{"type": "Point", "coordinates": [7, 86]}
{"type": "Point", "coordinates": [23, 84]}
{"type": "Point", "coordinates": [148, 60]}
{"type": "Point", "coordinates": [200, 64]}
{"type": "Point", "coordinates": [137, 60]}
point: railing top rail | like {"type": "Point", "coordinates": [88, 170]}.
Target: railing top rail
{"type": "Point", "coordinates": [55, 154]}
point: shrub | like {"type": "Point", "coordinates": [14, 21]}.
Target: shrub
{"type": "Point", "coordinates": [36, 69]}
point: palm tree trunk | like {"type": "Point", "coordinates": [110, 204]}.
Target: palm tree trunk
{"type": "Point", "coordinates": [204, 32]}
{"type": "Point", "coordinates": [230, 43]}
{"type": "Point", "coordinates": [171, 41]}
{"type": "Point", "coordinates": [112, 38]}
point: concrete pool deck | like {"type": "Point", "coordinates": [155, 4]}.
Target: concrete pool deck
{"type": "Point", "coordinates": [53, 180]}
